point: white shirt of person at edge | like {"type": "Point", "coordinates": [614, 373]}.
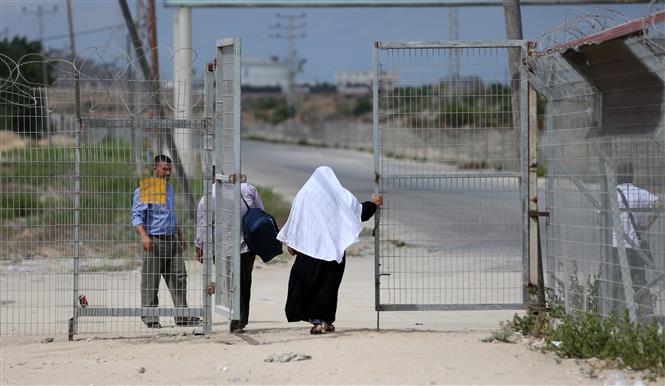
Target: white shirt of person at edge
{"type": "Point", "coordinates": [249, 194]}
{"type": "Point", "coordinates": [637, 198]}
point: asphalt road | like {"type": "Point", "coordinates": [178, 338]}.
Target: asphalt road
{"type": "Point", "coordinates": [439, 213]}
{"type": "Point", "coordinates": [286, 168]}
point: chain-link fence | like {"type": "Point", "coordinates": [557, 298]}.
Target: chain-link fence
{"type": "Point", "coordinates": [77, 174]}
{"type": "Point", "coordinates": [447, 158]}
{"type": "Point", "coordinates": [603, 147]}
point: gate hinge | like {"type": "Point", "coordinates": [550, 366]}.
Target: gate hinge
{"type": "Point", "coordinates": [535, 213]}
{"type": "Point", "coordinates": [230, 178]}
{"type": "Point", "coordinates": [377, 177]}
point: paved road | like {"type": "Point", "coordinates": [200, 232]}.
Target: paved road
{"type": "Point", "coordinates": [438, 213]}
{"type": "Point", "coordinates": [286, 167]}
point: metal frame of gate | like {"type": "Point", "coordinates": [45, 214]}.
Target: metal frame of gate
{"type": "Point", "coordinates": [519, 288]}
{"type": "Point", "coordinates": [228, 176]}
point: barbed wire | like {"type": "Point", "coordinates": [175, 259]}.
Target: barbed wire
{"type": "Point", "coordinates": [590, 22]}
{"type": "Point", "coordinates": [109, 76]}
{"type": "Point", "coordinates": [579, 26]}
{"type": "Point", "coordinates": [655, 32]}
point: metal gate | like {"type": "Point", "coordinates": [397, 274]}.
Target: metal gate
{"type": "Point", "coordinates": [228, 177]}
{"type": "Point", "coordinates": [71, 261]}
{"type": "Point", "coordinates": [448, 147]}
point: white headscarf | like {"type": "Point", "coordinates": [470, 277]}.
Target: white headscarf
{"type": "Point", "coordinates": [324, 218]}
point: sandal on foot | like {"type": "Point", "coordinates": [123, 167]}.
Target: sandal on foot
{"type": "Point", "coordinates": [316, 330]}
{"type": "Point", "coordinates": [328, 327]}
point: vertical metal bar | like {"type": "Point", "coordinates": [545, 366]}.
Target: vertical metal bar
{"type": "Point", "coordinates": [524, 166]}
{"type": "Point", "coordinates": [607, 264]}
{"type": "Point", "coordinates": [238, 180]}
{"type": "Point", "coordinates": [77, 207]}
{"type": "Point", "coordinates": [208, 111]}
{"type": "Point", "coordinates": [377, 175]}
{"type": "Point", "coordinates": [549, 231]}
{"type": "Point", "coordinates": [534, 266]}
{"type": "Point", "coordinates": [219, 161]}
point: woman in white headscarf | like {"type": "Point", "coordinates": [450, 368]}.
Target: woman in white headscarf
{"type": "Point", "coordinates": [325, 219]}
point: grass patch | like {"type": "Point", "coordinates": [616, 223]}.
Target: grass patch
{"type": "Point", "coordinates": [14, 205]}
{"type": "Point", "coordinates": [587, 334]}
{"type": "Point", "coordinates": [504, 334]}
{"type": "Point", "coordinates": [107, 182]}
{"type": "Point", "coordinates": [275, 204]}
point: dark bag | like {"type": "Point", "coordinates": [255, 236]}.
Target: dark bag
{"type": "Point", "coordinates": [260, 231]}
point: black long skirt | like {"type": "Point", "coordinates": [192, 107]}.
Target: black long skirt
{"type": "Point", "coordinates": [313, 288]}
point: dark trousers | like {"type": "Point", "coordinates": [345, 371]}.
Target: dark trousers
{"type": "Point", "coordinates": [246, 267]}
{"type": "Point", "coordinates": [313, 289]}
{"type": "Point", "coordinates": [164, 260]}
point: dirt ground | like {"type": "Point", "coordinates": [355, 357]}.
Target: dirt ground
{"type": "Point", "coordinates": [410, 348]}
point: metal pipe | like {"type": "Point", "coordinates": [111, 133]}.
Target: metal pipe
{"type": "Point", "coordinates": [377, 174]}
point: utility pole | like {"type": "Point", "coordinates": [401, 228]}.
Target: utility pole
{"type": "Point", "coordinates": [70, 26]}
{"type": "Point", "coordinates": [453, 34]}
{"type": "Point", "coordinates": [157, 101]}
{"type": "Point", "coordinates": [289, 32]}
{"type": "Point", "coordinates": [72, 53]}
{"type": "Point", "coordinates": [152, 40]}
{"type": "Point", "coordinates": [513, 17]}
{"type": "Point", "coordinates": [40, 12]}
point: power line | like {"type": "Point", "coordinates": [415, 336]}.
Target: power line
{"type": "Point", "coordinates": [40, 12]}
{"type": "Point", "coordinates": [289, 31]}
{"type": "Point", "coordinates": [453, 34]}
{"type": "Point", "coordinates": [85, 32]}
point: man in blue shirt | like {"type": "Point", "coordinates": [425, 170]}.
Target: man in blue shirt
{"type": "Point", "coordinates": [163, 242]}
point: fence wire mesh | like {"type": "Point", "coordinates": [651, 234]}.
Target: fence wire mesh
{"type": "Point", "coordinates": [448, 157]}
{"type": "Point", "coordinates": [603, 149]}
{"type": "Point", "coordinates": [71, 259]}
{"type": "Point", "coordinates": [227, 115]}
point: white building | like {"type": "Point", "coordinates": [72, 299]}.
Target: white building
{"type": "Point", "coordinates": [359, 81]}
{"type": "Point", "coordinates": [265, 73]}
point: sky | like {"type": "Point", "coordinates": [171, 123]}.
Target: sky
{"type": "Point", "coordinates": [336, 38]}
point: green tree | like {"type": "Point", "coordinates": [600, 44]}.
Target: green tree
{"type": "Point", "coordinates": [21, 100]}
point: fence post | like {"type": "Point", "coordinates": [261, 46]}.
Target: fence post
{"type": "Point", "coordinates": [77, 209]}
{"type": "Point", "coordinates": [208, 115]}
{"type": "Point", "coordinates": [522, 91]}
{"type": "Point", "coordinates": [377, 187]}
{"type": "Point", "coordinates": [536, 280]}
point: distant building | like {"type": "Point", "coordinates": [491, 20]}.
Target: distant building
{"type": "Point", "coordinates": [265, 73]}
{"type": "Point", "coordinates": [360, 81]}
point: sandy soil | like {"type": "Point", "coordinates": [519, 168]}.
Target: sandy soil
{"type": "Point", "coordinates": [410, 348]}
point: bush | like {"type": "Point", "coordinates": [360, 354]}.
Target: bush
{"type": "Point", "coordinates": [587, 335]}
{"type": "Point", "coordinates": [269, 109]}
